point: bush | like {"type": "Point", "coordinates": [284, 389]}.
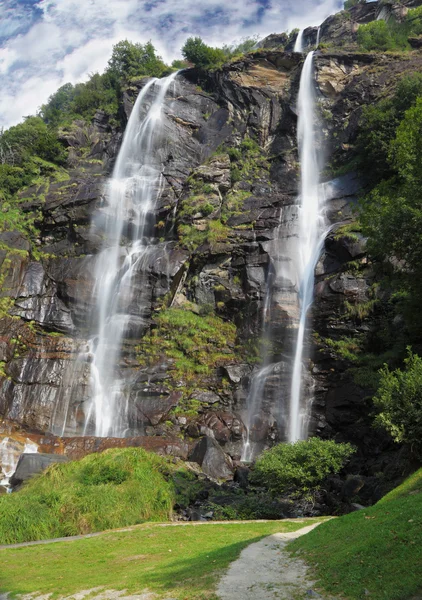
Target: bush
{"type": "Point", "coordinates": [399, 399]}
{"type": "Point", "coordinates": [375, 35]}
{"type": "Point", "coordinates": [201, 55]}
{"type": "Point", "coordinates": [102, 491]}
{"type": "Point", "coordinates": [301, 466]}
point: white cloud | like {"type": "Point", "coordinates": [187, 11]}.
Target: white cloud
{"type": "Point", "coordinates": [75, 37]}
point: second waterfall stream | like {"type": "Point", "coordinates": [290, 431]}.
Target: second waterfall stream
{"type": "Point", "coordinates": [298, 247]}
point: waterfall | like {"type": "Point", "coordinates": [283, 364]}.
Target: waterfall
{"type": "Point", "coordinates": [134, 189]}
{"type": "Point", "coordinates": [125, 222]}
{"type": "Point", "coordinates": [299, 42]}
{"type": "Point", "coordinates": [318, 37]}
{"type": "Point", "coordinates": [294, 253]}
{"type": "Point", "coordinates": [312, 230]}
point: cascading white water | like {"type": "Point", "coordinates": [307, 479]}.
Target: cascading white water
{"type": "Point", "coordinates": [10, 451]}
{"type": "Point", "coordinates": [298, 47]}
{"type": "Point", "coordinates": [312, 230]}
{"type": "Point", "coordinates": [318, 37]}
{"type": "Point", "coordinates": [133, 191]}
{"type": "Point", "coordinates": [295, 250]}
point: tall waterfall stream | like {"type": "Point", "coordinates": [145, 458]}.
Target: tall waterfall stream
{"type": "Point", "coordinates": [296, 258]}
{"type": "Point", "coordinates": [126, 222]}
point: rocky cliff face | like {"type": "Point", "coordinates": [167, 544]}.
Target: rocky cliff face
{"type": "Point", "coordinates": [231, 179]}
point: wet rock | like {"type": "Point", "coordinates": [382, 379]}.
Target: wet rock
{"type": "Point", "coordinates": [209, 455]}
{"type": "Point", "coordinates": [31, 464]}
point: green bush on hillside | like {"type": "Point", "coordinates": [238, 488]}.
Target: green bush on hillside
{"type": "Point", "coordinates": [201, 55]}
{"type": "Point", "coordinates": [399, 399]}
{"type": "Point", "coordinates": [102, 491]}
{"type": "Point", "coordinates": [375, 35]}
{"type": "Point", "coordinates": [301, 466]}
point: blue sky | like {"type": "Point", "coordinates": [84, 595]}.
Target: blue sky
{"type": "Point", "coordinates": [46, 43]}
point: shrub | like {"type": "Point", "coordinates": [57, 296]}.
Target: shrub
{"type": "Point", "coordinates": [375, 35]}
{"type": "Point", "coordinates": [399, 399]}
{"type": "Point", "coordinates": [201, 55]}
{"type": "Point", "coordinates": [116, 488]}
{"type": "Point", "coordinates": [301, 466]}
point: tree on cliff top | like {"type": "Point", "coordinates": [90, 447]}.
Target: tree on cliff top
{"type": "Point", "coordinates": [130, 60]}
{"type": "Point", "coordinates": [201, 55]}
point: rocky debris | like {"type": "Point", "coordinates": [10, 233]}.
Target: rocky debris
{"type": "Point", "coordinates": [210, 456]}
{"type": "Point", "coordinates": [30, 464]}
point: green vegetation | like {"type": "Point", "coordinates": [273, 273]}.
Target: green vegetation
{"type": "Point", "coordinates": [351, 3]}
{"type": "Point", "coordinates": [390, 35]}
{"type": "Point", "coordinates": [301, 466]}
{"type": "Point", "coordinates": [375, 552]}
{"type": "Point", "coordinates": [102, 491]}
{"type": "Point", "coordinates": [206, 57]}
{"type": "Point", "coordinates": [197, 344]}
{"type": "Point", "coordinates": [247, 161]}
{"type": "Point", "coordinates": [202, 56]}
{"type": "Point", "coordinates": [399, 400]}
{"type": "Point", "coordinates": [169, 560]}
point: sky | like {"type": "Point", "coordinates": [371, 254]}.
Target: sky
{"type": "Point", "coordinates": [46, 43]}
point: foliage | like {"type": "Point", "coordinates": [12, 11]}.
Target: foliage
{"type": "Point", "coordinates": [375, 35]}
{"type": "Point", "coordinates": [379, 122]}
{"type": "Point", "coordinates": [237, 49]}
{"type": "Point", "coordinates": [113, 489]}
{"type": "Point", "coordinates": [302, 465]}
{"type": "Point", "coordinates": [202, 56]}
{"type": "Point", "coordinates": [390, 35]}
{"type": "Point", "coordinates": [399, 399]}
{"type": "Point", "coordinates": [31, 138]}
{"type": "Point", "coordinates": [197, 344]}
{"type": "Point", "coordinates": [351, 3]}
{"type": "Point", "coordinates": [166, 560]}
{"type": "Point", "coordinates": [375, 552]}
{"type": "Point", "coordinates": [130, 60]}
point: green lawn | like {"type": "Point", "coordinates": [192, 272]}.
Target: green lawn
{"type": "Point", "coordinates": [378, 549]}
{"type": "Point", "coordinates": [183, 562]}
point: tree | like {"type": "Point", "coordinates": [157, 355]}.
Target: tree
{"type": "Point", "coordinates": [351, 3]}
{"type": "Point", "coordinates": [375, 35]}
{"type": "Point", "coordinates": [201, 55]}
{"type": "Point", "coordinates": [130, 60]}
{"type": "Point", "coordinates": [399, 400]}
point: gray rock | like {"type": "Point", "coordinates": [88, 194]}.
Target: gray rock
{"type": "Point", "coordinates": [210, 456]}
{"type": "Point", "coordinates": [30, 464]}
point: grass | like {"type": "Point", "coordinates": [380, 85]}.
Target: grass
{"type": "Point", "coordinates": [116, 488]}
{"type": "Point", "coordinates": [184, 562]}
{"type": "Point", "coordinates": [378, 549]}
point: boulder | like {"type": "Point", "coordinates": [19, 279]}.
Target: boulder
{"type": "Point", "coordinates": [214, 462]}
{"type": "Point", "coordinates": [31, 464]}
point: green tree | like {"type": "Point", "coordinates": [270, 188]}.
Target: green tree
{"type": "Point", "coordinates": [375, 35]}
{"type": "Point", "coordinates": [130, 60]}
{"type": "Point", "coordinates": [33, 138]}
{"type": "Point", "coordinates": [399, 400]}
{"type": "Point", "coordinates": [378, 125]}
{"type": "Point", "coordinates": [201, 55]}
{"type": "Point", "coordinates": [299, 466]}
{"type": "Point", "coordinates": [351, 3]}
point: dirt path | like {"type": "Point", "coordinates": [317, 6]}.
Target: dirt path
{"type": "Point", "coordinates": [265, 571]}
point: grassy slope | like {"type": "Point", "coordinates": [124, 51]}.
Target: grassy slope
{"type": "Point", "coordinates": [113, 489]}
{"type": "Point", "coordinates": [378, 549]}
{"type": "Point", "coordinates": [183, 562]}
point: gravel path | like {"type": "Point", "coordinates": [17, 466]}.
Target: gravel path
{"type": "Point", "coordinates": [265, 571]}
